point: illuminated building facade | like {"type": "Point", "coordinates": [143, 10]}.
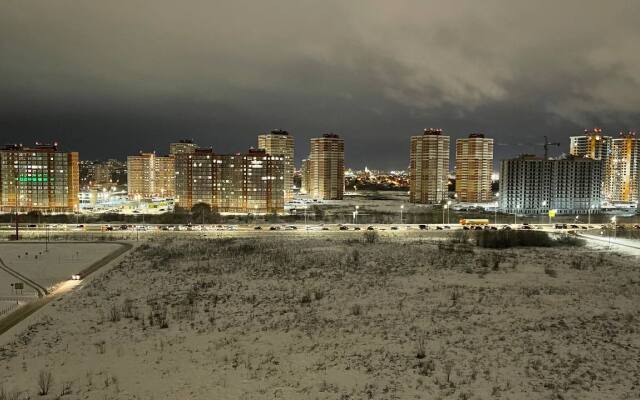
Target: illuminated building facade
{"type": "Point", "coordinates": [429, 167]}
{"type": "Point", "coordinates": [593, 144]}
{"type": "Point", "coordinates": [305, 172]}
{"type": "Point", "coordinates": [183, 146]}
{"type": "Point", "coordinates": [326, 167]}
{"type": "Point", "coordinates": [474, 167]}
{"type": "Point", "coordinates": [251, 182]}
{"type": "Point", "coordinates": [624, 169]}
{"type": "Point", "coordinates": [533, 185]}
{"type": "Point", "coordinates": [281, 143]}
{"type": "Point", "coordinates": [149, 175]}
{"type": "Point", "coordinates": [38, 178]}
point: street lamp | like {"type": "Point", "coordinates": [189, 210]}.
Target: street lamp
{"type": "Point", "coordinates": [515, 214]}
{"type": "Point", "coordinates": [544, 207]}
{"type": "Point", "coordinates": [593, 206]}
{"type": "Point", "coordinates": [448, 207]}
{"type": "Point", "coordinates": [613, 220]}
{"type": "Point", "coordinates": [401, 209]}
{"type": "Point", "coordinates": [495, 212]}
{"type": "Point", "coordinates": [355, 215]}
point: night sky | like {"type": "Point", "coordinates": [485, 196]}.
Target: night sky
{"type": "Point", "coordinates": [109, 78]}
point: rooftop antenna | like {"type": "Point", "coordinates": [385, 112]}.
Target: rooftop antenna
{"type": "Point", "coordinates": [547, 143]}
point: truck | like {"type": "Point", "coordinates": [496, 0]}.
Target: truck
{"type": "Point", "coordinates": [478, 221]}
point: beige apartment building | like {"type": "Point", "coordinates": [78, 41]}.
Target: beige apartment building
{"type": "Point", "coordinates": [623, 169]}
{"type": "Point", "coordinates": [281, 143]}
{"type": "Point", "coordinates": [474, 167]}
{"type": "Point", "coordinates": [149, 175]}
{"type": "Point", "coordinates": [429, 167]}
{"type": "Point", "coordinates": [326, 167]}
{"type": "Point", "coordinates": [39, 178]}
{"type": "Point", "coordinates": [182, 146]}
{"type": "Point", "coordinates": [251, 182]}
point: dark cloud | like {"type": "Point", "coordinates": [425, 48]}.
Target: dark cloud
{"type": "Point", "coordinates": [110, 78]}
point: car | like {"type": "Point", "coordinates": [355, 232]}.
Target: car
{"type": "Point", "coordinates": [257, 228]}
{"type": "Point", "coordinates": [324, 228]}
{"type": "Point", "coordinates": [394, 228]}
{"type": "Point", "coordinates": [274, 228]}
{"type": "Point", "coordinates": [447, 227]}
{"type": "Point", "coordinates": [506, 227]}
{"type": "Point", "coordinates": [466, 228]}
{"type": "Point", "coordinates": [123, 227]}
{"type": "Point", "coordinates": [370, 228]}
{"type": "Point", "coordinates": [423, 227]}
{"type": "Point", "coordinates": [75, 277]}
{"type": "Point", "coordinates": [439, 228]}
{"type": "Point", "coordinates": [574, 226]}
{"type": "Point", "coordinates": [560, 226]}
{"type": "Point", "coordinates": [108, 228]}
{"type": "Point", "coordinates": [477, 228]}
{"type": "Point", "coordinates": [526, 227]}
{"type": "Point", "coordinates": [32, 226]}
{"type": "Point", "coordinates": [357, 228]}
{"type": "Point", "coordinates": [636, 226]}
{"type": "Point", "coordinates": [343, 228]}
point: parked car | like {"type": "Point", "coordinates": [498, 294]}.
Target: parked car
{"type": "Point", "coordinates": [423, 227]}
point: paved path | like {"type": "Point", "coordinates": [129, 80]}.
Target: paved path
{"type": "Point", "coordinates": [42, 291]}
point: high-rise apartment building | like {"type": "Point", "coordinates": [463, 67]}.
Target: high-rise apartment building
{"type": "Point", "coordinates": [623, 169]}
{"type": "Point", "coordinates": [474, 167]}
{"type": "Point", "coordinates": [149, 175]}
{"type": "Point", "coordinates": [593, 144]}
{"type": "Point", "coordinates": [533, 185]}
{"type": "Point", "coordinates": [326, 167]}
{"type": "Point", "coordinates": [182, 146]}
{"type": "Point", "coordinates": [429, 167]}
{"type": "Point", "coordinates": [281, 143]}
{"type": "Point", "coordinates": [38, 178]}
{"type": "Point", "coordinates": [251, 182]}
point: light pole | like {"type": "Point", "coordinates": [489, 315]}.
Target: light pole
{"type": "Point", "coordinates": [401, 209]}
{"type": "Point", "coordinates": [495, 212]}
{"type": "Point", "coordinates": [613, 220]}
{"type": "Point", "coordinates": [444, 207]}
{"type": "Point", "coordinates": [515, 214]}
{"type": "Point", "coordinates": [589, 211]}
{"type": "Point", "coordinates": [544, 207]}
{"type": "Point", "coordinates": [448, 207]}
{"type": "Point", "coordinates": [355, 215]}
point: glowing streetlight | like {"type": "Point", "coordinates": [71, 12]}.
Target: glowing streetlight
{"type": "Point", "coordinates": [448, 207]}
{"type": "Point", "coordinates": [401, 209]}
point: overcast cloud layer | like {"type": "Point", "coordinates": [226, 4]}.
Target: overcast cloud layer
{"type": "Point", "coordinates": [109, 78]}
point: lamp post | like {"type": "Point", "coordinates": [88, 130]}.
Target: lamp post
{"type": "Point", "coordinates": [355, 215]}
{"type": "Point", "coordinates": [544, 207]}
{"type": "Point", "coordinates": [401, 209]}
{"type": "Point", "coordinates": [444, 207]}
{"type": "Point", "coordinates": [495, 211]}
{"type": "Point", "coordinates": [448, 207]}
{"type": "Point", "coordinates": [515, 214]}
{"type": "Point", "coordinates": [613, 220]}
{"type": "Point", "coordinates": [593, 206]}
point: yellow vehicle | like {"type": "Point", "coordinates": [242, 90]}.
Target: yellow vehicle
{"type": "Point", "coordinates": [474, 222]}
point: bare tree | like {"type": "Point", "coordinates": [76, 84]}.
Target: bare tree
{"type": "Point", "coordinates": [45, 380]}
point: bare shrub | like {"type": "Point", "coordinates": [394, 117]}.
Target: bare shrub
{"type": "Point", "coordinates": [455, 296]}
{"type": "Point", "coordinates": [371, 237]}
{"type": "Point", "coordinates": [356, 309]}
{"type": "Point", "coordinates": [127, 308]}
{"type": "Point", "coordinates": [45, 380]}
{"type": "Point", "coordinates": [421, 351]}
{"type": "Point", "coordinates": [550, 271]}
{"type": "Point", "coordinates": [100, 346]}
{"type": "Point", "coordinates": [114, 313]}
{"type": "Point", "coordinates": [66, 388]}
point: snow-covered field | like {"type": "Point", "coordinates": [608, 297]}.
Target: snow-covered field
{"type": "Point", "coordinates": [49, 267]}
{"type": "Point", "coordinates": [339, 318]}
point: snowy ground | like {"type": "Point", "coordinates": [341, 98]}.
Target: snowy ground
{"type": "Point", "coordinates": [338, 318]}
{"type": "Point", "coordinates": [49, 267]}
